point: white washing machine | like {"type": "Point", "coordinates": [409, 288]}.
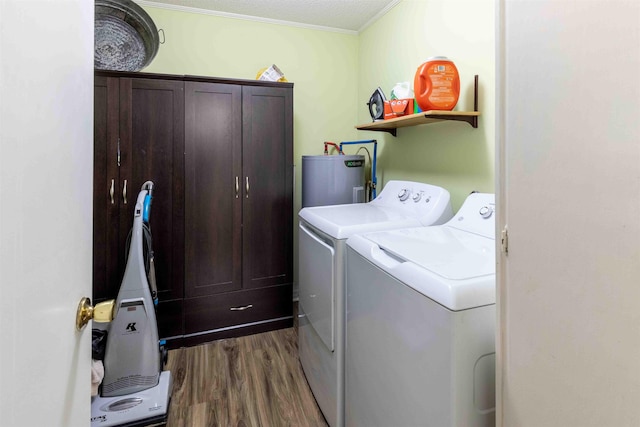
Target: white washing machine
{"type": "Point", "coordinates": [322, 245]}
{"type": "Point", "coordinates": [420, 323]}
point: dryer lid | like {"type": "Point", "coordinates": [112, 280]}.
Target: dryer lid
{"type": "Point", "coordinates": [342, 221]}
{"type": "Point", "coordinates": [400, 204]}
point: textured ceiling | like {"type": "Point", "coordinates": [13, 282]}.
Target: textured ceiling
{"type": "Point", "coordinates": [349, 15]}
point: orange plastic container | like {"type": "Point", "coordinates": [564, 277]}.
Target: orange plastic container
{"type": "Point", "coordinates": [437, 84]}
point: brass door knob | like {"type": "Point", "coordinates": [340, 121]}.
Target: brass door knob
{"type": "Point", "coordinates": [102, 312]}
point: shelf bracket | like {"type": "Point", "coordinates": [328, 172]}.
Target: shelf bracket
{"type": "Point", "coordinates": [473, 120]}
{"type": "Point", "coordinates": [475, 95]}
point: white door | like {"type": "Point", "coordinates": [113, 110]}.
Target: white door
{"type": "Point", "coordinates": [569, 191]}
{"type": "Point", "coordinates": [46, 163]}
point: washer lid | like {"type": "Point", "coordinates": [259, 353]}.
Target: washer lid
{"type": "Point", "coordinates": [453, 267]}
{"type": "Point", "coordinates": [448, 252]}
{"type": "Point", "coordinates": [342, 221]}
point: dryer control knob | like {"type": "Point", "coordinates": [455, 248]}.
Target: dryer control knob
{"type": "Point", "coordinates": [416, 197]}
{"type": "Point", "coordinates": [486, 211]}
{"type": "Point", "coordinates": [404, 194]}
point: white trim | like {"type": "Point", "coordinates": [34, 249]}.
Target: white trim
{"type": "Point", "coordinates": [252, 18]}
{"type": "Point", "coordinates": [501, 203]}
{"type": "Point", "coordinates": [379, 14]}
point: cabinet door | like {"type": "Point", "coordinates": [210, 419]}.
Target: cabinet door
{"type": "Point", "coordinates": [152, 147]}
{"type": "Point", "coordinates": [106, 275]}
{"type": "Point", "coordinates": [213, 142]}
{"type": "Point", "coordinates": [267, 213]}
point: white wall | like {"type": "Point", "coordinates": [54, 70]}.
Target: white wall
{"type": "Point", "coordinates": [46, 164]}
{"type": "Point", "coordinates": [569, 172]}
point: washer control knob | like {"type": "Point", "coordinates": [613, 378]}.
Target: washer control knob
{"type": "Point", "coordinates": [416, 197]}
{"type": "Point", "coordinates": [404, 194]}
{"type": "Point", "coordinates": [486, 211]}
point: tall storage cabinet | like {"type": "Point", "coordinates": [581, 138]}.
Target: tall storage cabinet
{"type": "Point", "coordinates": [139, 136]}
{"type": "Point", "coordinates": [267, 159]}
{"type": "Point", "coordinates": [220, 152]}
{"type": "Point", "coordinates": [239, 175]}
{"type": "Point", "coordinates": [213, 159]}
{"type": "Point", "coordinates": [106, 188]}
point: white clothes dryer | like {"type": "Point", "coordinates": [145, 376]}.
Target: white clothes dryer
{"type": "Point", "coordinates": [420, 323]}
{"type": "Point", "coordinates": [322, 242]}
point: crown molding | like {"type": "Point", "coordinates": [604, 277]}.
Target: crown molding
{"type": "Point", "coordinates": [255, 18]}
{"type": "Point", "coordinates": [379, 15]}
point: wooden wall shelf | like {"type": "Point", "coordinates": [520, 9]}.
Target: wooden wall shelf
{"type": "Point", "coordinates": [427, 117]}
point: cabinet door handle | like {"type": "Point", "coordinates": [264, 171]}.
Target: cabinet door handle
{"type": "Point", "coordinates": [241, 308]}
{"type": "Point", "coordinates": [237, 186]}
{"type": "Point", "coordinates": [247, 187]}
{"type": "Point", "coordinates": [124, 192]}
{"type": "Point", "coordinates": [112, 190]}
{"type": "Point", "coordinates": [118, 153]}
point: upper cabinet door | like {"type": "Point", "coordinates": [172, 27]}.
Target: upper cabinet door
{"type": "Point", "coordinates": [152, 148]}
{"type": "Point", "coordinates": [267, 184]}
{"type": "Point", "coordinates": [213, 184]}
{"type": "Point", "coordinates": [106, 179]}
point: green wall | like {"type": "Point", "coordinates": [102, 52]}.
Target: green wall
{"type": "Point", "coordinates": [323, 65]}
{"type": "Point", "coordinates": [453, 154]}
{"type": "Point", "coordinates": [334, 73]}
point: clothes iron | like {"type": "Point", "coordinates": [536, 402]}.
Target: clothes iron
{"type": "Point", "coordinates": [376, 105]}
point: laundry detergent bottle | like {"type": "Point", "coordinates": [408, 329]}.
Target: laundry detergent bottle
{"type": "Point", "coordinates": [437, 84]}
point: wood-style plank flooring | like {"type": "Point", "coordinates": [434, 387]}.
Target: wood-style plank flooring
{"type": "Point", "coordinates": [249, 381]}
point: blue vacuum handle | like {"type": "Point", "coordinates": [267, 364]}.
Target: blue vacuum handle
{"type": "Point", "coordinates": [146, 205]}
{"type": "Point", "coordinates": [146, 208]}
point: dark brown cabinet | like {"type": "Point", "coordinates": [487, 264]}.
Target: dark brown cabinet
{"type": "Point", "coordinates": [106, 200]}
{"type": "Point", "coordinates": [220, 153]}
{"type": "Point", "coordinates": [213, 159]}
{"type": "Point", "coordinates": [139, 136]}
{"type": "Point", "coordinates": [267, 159]}
{"type": "Point", "coordinates": [239, 195]}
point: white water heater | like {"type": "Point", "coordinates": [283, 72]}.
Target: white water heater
{"type": "Point", "coordinates": [332, 180]}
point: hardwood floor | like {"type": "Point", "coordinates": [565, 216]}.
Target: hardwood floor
{"type": "Point", "coordinates": [249, 381]}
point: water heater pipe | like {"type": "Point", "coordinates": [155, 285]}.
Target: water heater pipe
{"type": "Point", "coordinates": [326, 151]}
{"type": "Point", "coordinates": [374, 180]}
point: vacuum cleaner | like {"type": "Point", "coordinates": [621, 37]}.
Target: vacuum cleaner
{"type": "Point", "coordinates": [135, 390]}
